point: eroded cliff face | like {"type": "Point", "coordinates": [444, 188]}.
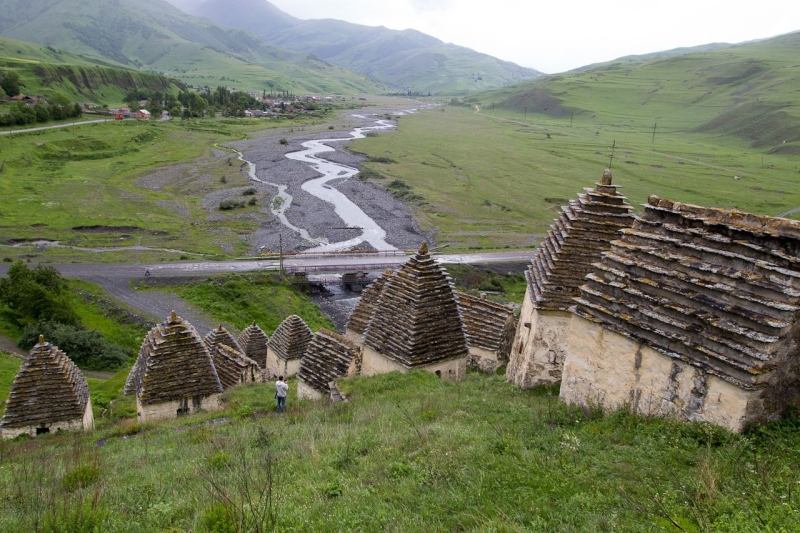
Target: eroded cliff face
{"type": "Point", "coordinates": [693, 312]}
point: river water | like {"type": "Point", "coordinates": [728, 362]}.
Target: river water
{"type": "Point", "coordinates": [350, 214]}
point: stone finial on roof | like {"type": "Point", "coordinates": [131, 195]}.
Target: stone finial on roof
{"type": "Point", "coordinates": [48, 388]}
{"type": "Point", "coordinates": [254, 341]}
{"type": "Point", "coordinates": [221, 336]}
{"type": "Point", "coordinates": [291, 339]}
{"type": "Point", "coordinates": [423, 249]}
{"type": "Point", "coordinates": [328, 357]}
{"type": "Point", "coordinates": [173, 364]}
{"type": "Point", "coordinates": [583, 230]}
{"type": "Point", "coordinates": [416, 320]}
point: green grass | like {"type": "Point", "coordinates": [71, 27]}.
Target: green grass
{"type": "Point", "coordinates": [53, 181]}
{"type": "Point", "coordinates": [414, 453]}
{"type": "Point", "coordinates": [238, 299]}
{"type": "Point", "coordinates": [8, 369]}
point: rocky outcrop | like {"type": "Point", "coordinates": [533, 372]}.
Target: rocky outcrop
{"type": "Point", "coordinates": [254, 341]}
{"type": "Point", "coordinates": [583, 230]}
{"type": "Point", "coordinates": [329, 356]}
{"type": "Point", "coordinates": [416, 323]}
{"type": "Point", "coordinates": [49, 393]}
{"type": "Point", "coordinates": [710, 298]}
{"type": "Point", "coordinates": [489, 327]}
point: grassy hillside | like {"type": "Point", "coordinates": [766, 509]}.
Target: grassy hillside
{"type": "Point", "coordinates": [748, 92]}
{"type": "Point", "coordinates": [152, 35]}
{"type": "Point", "coordinates": [407, 453]}
{"type": "Point", "coordinates": [47, 70]}
{"type": "Point", "coordinates": [405, 60]}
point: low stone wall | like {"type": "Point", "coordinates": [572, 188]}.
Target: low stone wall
{"type": "Point", "coordinates": [537, 356]}
{"type": "Point", "coordinates": [606, 369]}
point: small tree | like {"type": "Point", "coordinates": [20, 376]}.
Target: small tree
{"type": "Point", "coordinates": [10, 83]}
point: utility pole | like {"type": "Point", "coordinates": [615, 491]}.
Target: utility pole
{"type": "Point", "coordinates": [280, 260]}
{"type": "Point", "coordinates": [654, 133]}
{"type": "Point", "coordinates": [611, 159]}
{"type": "Point", "coordinates": [570, 119]}
{"type": "Point", "coordinates": [526, 112]}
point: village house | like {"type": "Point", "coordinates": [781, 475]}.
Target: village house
{"type": "Point", "coordinates": [142, 114]}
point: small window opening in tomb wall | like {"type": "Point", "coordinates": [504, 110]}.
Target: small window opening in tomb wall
{"type": "Point", "coordinates": [438, 373]}
{"type": "Point", "coordinates": [184, 407]}
{"type": "Point", "coordinates": [197, 402]}
{"type": "Point", "coordinates": [40, 431]}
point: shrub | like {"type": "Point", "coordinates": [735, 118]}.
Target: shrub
{"type": "Point", "coordinates": [223, 179]}
{"type": "Point", "coordinates": [283, 141]}
{"type": "Point", "coordinates": [372, 134]}
{"type": "Point", "coordinates": [34, 295]}
{"type": "Point", "coordinates": [81, 477]}
{"type": "Point", "coordinates": [88, 349]}
{"type": "Point", "coordinates": [250, 191]}
{"type": "Point", "coordinates": [252, 201]}
{"type": "Point", "coordinates": [227, 205]}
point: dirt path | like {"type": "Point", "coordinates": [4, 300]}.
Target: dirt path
{"type": "Point", "coordinates": [7, 345]}
{"type": "Point", "coordinates": [26, 130]}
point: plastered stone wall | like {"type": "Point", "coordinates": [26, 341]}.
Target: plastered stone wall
{"type": "Point", "coordinates": [278, 366]}
{"type": "Point", "coordinates": [307, 392]}
{"type": "Point", "coordinates": [606, 369]}
{"type": "Point", "coordinates": [374, 363]}
{"type": "Point", "coordinates": [78, 424]}
{"type": "Point", "coordinates": [356, 338]}
{"type": "Point", "coordinates": [169, 410]}
{"type": "Point", "coordinates": [540, 346]}
{"type": "Point", "coordinates": [483, 359]}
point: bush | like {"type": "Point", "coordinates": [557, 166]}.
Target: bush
{"type": "Point", "coordinates": [81, 477]}
{"type": "Point", "coordinates": [250, 191]}
{"type": "Point", "coordinates": [88, 349]}
{"type": "Point", "coordinates": [34, 295]}
{"type": "Point", "coordinates": [252, 201]}
{"type": "Point", "coordinates": [283, 141]}
{"type": "Point", "coordinates": [230, 203]}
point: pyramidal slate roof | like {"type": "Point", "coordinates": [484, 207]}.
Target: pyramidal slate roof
{"type": "Point", "coordinates": [233, 367]}
{"type": "Point", "coordinates": [254, 341]}
{"type": "Point", "coordinates": [221, 336]}
{"type": "Point", "coordinates": [174, 363]}
{"type": "Point", "coordinates": [715, 288]}
{"type": "Point", "coordinates": [366, 306]}
{"type": "Point", "coordinates": [416, 320]}
{"type": "Point", "coordinates": [487, 324]}
{"type": "Point", "coordinates": [48, 388]}
{"type": "Point", "coordinates": [291, 339]}
{"type": "Point", "coordinates": [583, 230]}
{"type": "Point", "coordinates": [329, 356]}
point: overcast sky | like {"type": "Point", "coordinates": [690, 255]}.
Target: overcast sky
{"type": "Point", "coordinates": [558, 35]}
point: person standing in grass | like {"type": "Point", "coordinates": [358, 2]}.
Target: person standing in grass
{"type": "Point", "coordinates": [281, 388]}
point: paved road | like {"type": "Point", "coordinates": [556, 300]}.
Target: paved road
{"type": "Point", "coordinates": [40, 128]}
{"type": "Point", "coordinates": [119, 279]}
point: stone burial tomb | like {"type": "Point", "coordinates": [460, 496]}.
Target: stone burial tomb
{"type": "Point", "coordinates": [695, 313]}
{"type": "Point", "coordinates": [287, 347]}
{"type": "Point", "coordinates": [233, 367]}
{"type": "Point", "coordinates": [254, 341]}
{"type": "Point", "coordinates": [489, 327]}
{"type": "Point", "coordinates": [583, 230]}
{"type": "Point", "coordinates": [174, 373]}
{"type": "Point", "coordinates": [329, 356]}
{"type": "Point", "coordinates": [416, 323]}
{"type": "Point", "coordinates": [359, 319]}
{"type": "Point", "coordinates": [49, 394]}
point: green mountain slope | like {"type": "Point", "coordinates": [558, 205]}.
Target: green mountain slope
{"type": "Point", "coordinates": [749, 92]}
{"type": "Point", "coordinates": [153, 35]}
{"type": "Point", "coordinates": [405, 59]}
{"type": "Point", "coordinates": [46, 70]}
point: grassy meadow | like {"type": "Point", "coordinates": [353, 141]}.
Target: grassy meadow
{"type": "Point", "coordinates": [407, 453]}
{"type": "Point", "coordinates": [120, 184]}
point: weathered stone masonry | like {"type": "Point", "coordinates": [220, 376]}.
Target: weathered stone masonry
{"type": "Point", "coordinates": [694, 313]}
{"type": "Point", "coordinates": [329, 356]}
{"type": "Point", "coordinates": [489, 327]}
{"type": "Point", "coordinates": [287, 347]}
{"type": "Point", "coordinates": [583, 230]}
